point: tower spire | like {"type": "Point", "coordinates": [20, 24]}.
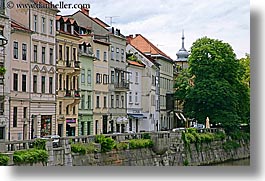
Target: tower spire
{"type": "Point", "coordinates": [183, 38]}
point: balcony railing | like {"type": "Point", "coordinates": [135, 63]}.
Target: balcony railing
{"type": "Point", "coordinates": [121, 85]}
{"type": "Point", "coordinates": [72, 93]}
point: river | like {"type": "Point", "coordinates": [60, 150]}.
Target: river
{"type": "Point", "coordinates": [241, 162]}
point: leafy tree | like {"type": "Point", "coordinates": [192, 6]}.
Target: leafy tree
{"type": "Point", "coordinates": [213, 86]}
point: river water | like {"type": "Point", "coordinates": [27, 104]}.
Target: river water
{"type": "Point", "coordinates": [242, 162]}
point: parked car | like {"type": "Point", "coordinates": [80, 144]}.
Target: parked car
{"type": "Point", "coordinates": [198, 126]}
{"type": "Point", "coordinates": [55, 139]}
{"type": "Point", "coordinates": [178, 129]}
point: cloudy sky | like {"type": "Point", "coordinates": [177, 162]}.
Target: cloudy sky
{"type": "Point", "coordinates": [162, 21]}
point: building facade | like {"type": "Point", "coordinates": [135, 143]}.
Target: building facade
{"type": "Point", "coordinates": [68, 71]}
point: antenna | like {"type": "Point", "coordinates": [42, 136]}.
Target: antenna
{"type": "Point", "coordinates": [111, 17]}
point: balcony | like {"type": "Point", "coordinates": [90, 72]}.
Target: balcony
{"type": "Point", "coordinates": [121, 85]}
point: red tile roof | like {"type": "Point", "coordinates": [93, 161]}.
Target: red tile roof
{"type": "Point", "coordinates": [130, 62]}
{"type": "Point", "coordinates": [19, 27]}
{"type": "Point", "coordinates": [145, 46]}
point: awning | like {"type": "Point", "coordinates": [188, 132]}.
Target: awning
{"type": "Point", "coordinates": [121, 120]}
{"type": "Point", "coordinates": [136, 115]}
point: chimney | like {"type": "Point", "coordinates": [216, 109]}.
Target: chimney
{"type": "Point", "coordinates": [85, 11]}
{"type": "Point", "coordinates": [129, 38]}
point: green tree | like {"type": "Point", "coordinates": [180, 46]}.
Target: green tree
{"type": "Point", "coordinates": [212, 86]}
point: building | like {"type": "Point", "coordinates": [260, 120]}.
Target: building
{"type": "Point", "coordinates": [68, 71]}
{"type": "Point", "coordinates": [134, 97]}
{"type": "Point", "coordinates": [86, 82]}
{"type": "Point", "coordinates": [166, 106]}
{"type": "Point", "coordinates": [149, 115]}
{"type": "Point", "coordinates": [116, 118]}
{"type": "Point", "coordinates": [19, 100]}
{"type": "Point", "coordinates": [5, 30]}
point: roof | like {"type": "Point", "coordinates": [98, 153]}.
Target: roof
{"type": "Point", "coordinates": [145, 46]}
{"type": "Point", "coordinates": [130, 62]}
{"type": "Point", "coordinates": [102, 42]}
{"type": "Point", "coordinates": [19, 27]}
{"type": "Point", "coordinates": [100, 22]}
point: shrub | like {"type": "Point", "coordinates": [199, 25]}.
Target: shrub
{"type": "Point", "coordinates": [230, 145]}
{"type": "Point", "coordinates": [107, 143]}
{"type": "Point", "coordinates": [146, 136]}
{"type": "Point", "coordinates": [78, 148]}
{"type": "Point", "coordinates": [122, 146]}
{"type": "Point", "coordinates": [40, 144]}
{"type": "Point", "coordinates": [207, 137]}
{"type": "Point", "coordinates": [140, 143]}
{"type": "Point", "coordinates": [3, 160]}
{"type": "Point", "coordinates": [30, 156]}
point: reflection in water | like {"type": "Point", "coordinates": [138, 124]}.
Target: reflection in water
{"type": "Point", "coordinates": [242, 162]}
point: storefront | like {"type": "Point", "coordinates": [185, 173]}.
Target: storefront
{"type": "Point", "coordinates": [70, 126]}
{"type": "Point", "coordinates": [46, 128]}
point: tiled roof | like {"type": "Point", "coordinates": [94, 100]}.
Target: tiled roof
{"type": "Point", "coordinates": [145, 46]}
{"type": "Point", "coordinates": [19, 27]}
{"type": "Point", "coordinates": [100, 22]}
{"type": "Point", "coordinates": [130, 62]}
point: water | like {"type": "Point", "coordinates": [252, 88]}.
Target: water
{"type": "Point", "coordinates": [242, 162]}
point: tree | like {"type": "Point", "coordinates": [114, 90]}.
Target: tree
{"type": "Point", "coordinates": [215, 86]}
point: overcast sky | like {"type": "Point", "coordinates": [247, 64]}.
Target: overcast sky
{"type": "Point", "coordinates": [162, 21]}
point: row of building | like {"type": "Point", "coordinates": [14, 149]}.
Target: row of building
{"type": "Point", "coordinates": [75, 75]}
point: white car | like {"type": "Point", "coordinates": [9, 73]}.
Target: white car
{"type": "Point", "coordinates": [178, 129]}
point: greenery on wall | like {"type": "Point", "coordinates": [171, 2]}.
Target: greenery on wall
{"type": "Point", "coordinates": [3, 160]}
{"type": "Point", "coordinates": [30, 156]}
{"type": "Point", "coordinates": [83, 148]}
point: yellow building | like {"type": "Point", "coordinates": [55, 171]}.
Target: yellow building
{"type": "Point", "coordinates": [68, 70]}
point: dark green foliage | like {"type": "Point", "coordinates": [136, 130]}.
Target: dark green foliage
{"type": "Point", "coordinates": [186, 162]}
{"type": "Point", "coordinates": [230, 145]}
{"type": "Point", "coordinates": [146, 136]}
{"type": "Point", "coordinates": [213, 85]}
{"type": "Point", "coordinates": [83, 148]}
{"type": "Point", "coordinates": [30, 156]}
{"type": "Point", "coordinates": [3, 160]}
{"type": "Point", "coordinates": [107, 143]}
{"type": "Point", "coordinates": [140, 143]}
{"type": "Point", "coordinates": [122, 146]}
{"type": "Point", "coordinates": [40, 144]}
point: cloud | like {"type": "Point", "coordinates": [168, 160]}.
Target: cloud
{"type": "Point", "coordinates": [162, 21]}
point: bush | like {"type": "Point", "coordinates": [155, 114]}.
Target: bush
{"type": "Point", "coordinates": [122, 146]}
{"type": "Point", "coordinates": [40, 144]}
{"type": "Point", "coordinates": [207, 137]}
{"type": "Point", "coordinates": [3, 160]}
{"type": "Point", "coordinates": [146, 136]}
{"type": "Point", "coordinates": [30, 156]}
{"type": "Point", "coordinates": [230, 145]}
{"type": "Point", "coordinates": [140, 143]}
{"type": "Point", "coordinates": [107, 143]}
{"type": "Point", "coordinates": [78, 148]}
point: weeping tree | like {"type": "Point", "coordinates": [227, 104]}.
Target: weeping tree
{"type": "Point", "coordinates": [212, 86]}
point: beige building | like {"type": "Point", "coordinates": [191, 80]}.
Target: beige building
{"type": "Point", "coordinates": [101, 87]}
{"type": "Point", "coordinates": [68, 70]}
{"type": "Point", "coordinates": [19, 82]}
{"type": "Point", "coordinates": [42, 67]}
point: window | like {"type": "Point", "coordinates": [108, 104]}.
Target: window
{"type": "Point", "coordinates": [89, 77]}
{"type": "Point", "coordinates": [112, 77]}
{"type": "Point", "coordinates": [98, 54]}
{"type": "Point", "coordinates": [89, 102]}
{"type": "Point", "coordinates": [130, 97]}
{"type": "Point", "coordinates": [105, 102]}
{"type": "Point", "coordinates": [24, 51]}
{"type": "Point", "coordinates": [97, 103]}
{"type": "Point", "coordinates": [67, 110]}
{"type": "Point", "coordinates": [117, 101]}
{"type": "Point", "coordinates": [122, 101]}
{"type": "Point", "coordinates": [105, 56]}
{"type": "Point", "coordinates": [60, 107]}
{"type": "Point", "coordinates": [74, 54]}
{"type": "Point", "coordinates": [15, 117]}
{"type": "Point", "coordinates": [122, 55]}
{"type": "Point", "coordinates": [74, 110]}
{"type": "Point", "coordinates": [51, 26]}
{"type": "Point", "coordinates": [35, 22]}
{"type": "Point", "coordinates": [43, 25]}
{"type": "Point", "coordinates": [98, 78]}
{"type": "Point", "coordinates": [35, 83]}
{"type": "Point", "coordinates": [51, 56]}
{"type": "Point", "coordinates": [136, 97]}
{"type": "Point", "coordinates": [35, 53]}
{"type": "Point", "coordinates": [60, 81]}
{"type": "Point", "coordinates": [2, 105]}
{"type": "Point", "coordinates": [42, 84]}
{"type": "Point", "coordinates": [82, 76]}
{"type": "Point", "coordinates": [24, 83]}
{"type": "Point", "coordinates": [67, 55]}
{"type": "Point", "coordinates": [112, 53]}
{"type": "Point", "coordinates": [25, 112]}
{"type": "Point", "coordinates": [15, 82]}
{"type": "Point", "coordinates": [117, 54]}
{"type": "Point", "coordinates": [83, 102]}
{"type": "Point", "coordinates": [50, 84]}
{"type": "Point", "coordinates": [15, 50]}
{"type": "Point", "coordinates": [43, 55]}
{"type": "Point", "coordinates": [60, 52]}
{"type": "Point", "coordinates": [112, 101]}
{"type": "Point", "coordinates": [136, 78]}
{"type": "Point", "coordinates": [105, 79]}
